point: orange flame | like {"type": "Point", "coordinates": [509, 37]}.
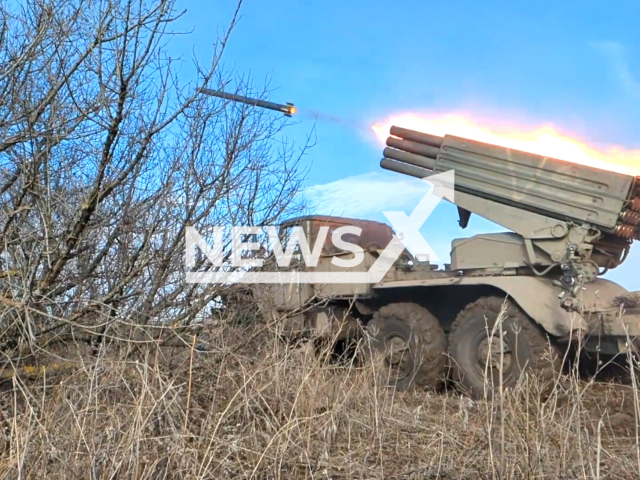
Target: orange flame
{"type": "Point", "coordinates": [542, 141]}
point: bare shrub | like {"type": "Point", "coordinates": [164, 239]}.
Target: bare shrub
{"type": "Point", "coordinates": [106, 156]}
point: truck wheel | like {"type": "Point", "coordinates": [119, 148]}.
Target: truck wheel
{"type": "Point", "coordinates": [412, 344]}
{"type": "Point", "coordinates": [475, 350]}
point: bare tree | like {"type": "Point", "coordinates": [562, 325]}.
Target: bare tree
{"type": "Point", "coordinates": [105, 158]}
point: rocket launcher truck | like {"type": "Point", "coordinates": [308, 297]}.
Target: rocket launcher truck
{"type": "Point", "coordinates": [508, 303]}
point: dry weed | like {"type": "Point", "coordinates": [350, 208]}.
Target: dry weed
{"type": "Point", "coordinates": [251, 406]}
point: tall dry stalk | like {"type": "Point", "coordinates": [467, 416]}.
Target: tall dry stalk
{"type": "Point", "coordinates": [255, 407]}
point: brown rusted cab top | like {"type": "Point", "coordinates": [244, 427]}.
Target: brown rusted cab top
{"type": "Point", "coordinates": [373, 236]}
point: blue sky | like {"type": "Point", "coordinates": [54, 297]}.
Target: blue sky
{"type": "Point", "coordinates": [572, 64]}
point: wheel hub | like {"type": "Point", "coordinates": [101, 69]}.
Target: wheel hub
{"type": "Point", "coordinates": [397, 356]}
{"type": "Point", "coordinates": [491, 350]}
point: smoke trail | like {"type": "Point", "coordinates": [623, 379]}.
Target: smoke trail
{"type": "Point", "coordinates": [318, 116]}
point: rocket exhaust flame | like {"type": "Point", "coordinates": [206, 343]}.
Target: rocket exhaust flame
{"type": "Point", "coordinates": [542, 141]}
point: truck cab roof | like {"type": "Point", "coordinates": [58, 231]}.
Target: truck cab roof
{"type": "Point", "coordinates": [374, 235]}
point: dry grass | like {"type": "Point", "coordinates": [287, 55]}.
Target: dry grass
{"type": "Point", "coordinates": [254, 407]}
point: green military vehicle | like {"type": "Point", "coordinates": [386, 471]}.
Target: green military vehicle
{"type": "Point", "coordinates": [508, 303]}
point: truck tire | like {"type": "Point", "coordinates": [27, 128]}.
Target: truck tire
{"type": "Point", "coordinates": [526, 348]}
{"type": "Point", "coordinates": [412, 344]}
